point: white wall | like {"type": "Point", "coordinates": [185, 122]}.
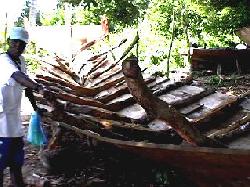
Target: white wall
{"type": "Point", "coordinates": [64, 40]}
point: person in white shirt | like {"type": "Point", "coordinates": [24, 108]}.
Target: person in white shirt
{"type": "Point", "coordinates": [13, 80]}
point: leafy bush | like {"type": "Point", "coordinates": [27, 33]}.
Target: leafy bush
{"type": "Point", "coordinates": [214, 80]}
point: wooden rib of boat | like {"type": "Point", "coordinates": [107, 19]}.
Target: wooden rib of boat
{"type": "Point", "coordinates": [113, 115]}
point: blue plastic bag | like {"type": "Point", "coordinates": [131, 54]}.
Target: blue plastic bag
{"type": "Point", "coordinates": [36, 135]}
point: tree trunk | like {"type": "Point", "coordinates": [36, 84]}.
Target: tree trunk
{"type": "Point", "coordinates": [33, 12]}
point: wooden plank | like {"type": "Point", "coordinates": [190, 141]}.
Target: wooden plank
{"type": "Point", "coordinates": [212, 105]}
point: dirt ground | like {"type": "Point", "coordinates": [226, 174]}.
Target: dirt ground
{"type": "Point", "coordinates": [105, 165]}
{"type": "Point", "coordinates": [233, 83]}
{"type": "Point", "coordinates": [99, 166]}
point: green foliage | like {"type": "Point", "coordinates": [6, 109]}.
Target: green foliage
{"type": "Point", "coordinates": [201, 20]}
{"type": "Point", "coordinates": [121, 13]}
{"type": "Point", "coordinates": [194, 21]}
{"type": "Point", "coordinates": [83, 16]}
{"type": "Point", "coordinates": [24, 15]}
{"type": "Point", "coordinates": [162, 178]}
{"type": "Point", "coordinates": [32, 56]}
{"type": "Point", "coordinates": [32, 64]}
{"type": "Point", "coordinates": [168, 177]}
{"type": "Point", "coordinates": [85, 3]}
{"type": "Point", "coordinates": [208, 22]}
{"type": "Point", "coordinates": [220, 4]}
{"type": "Point", "coordinates": [215, 80]}
{"type": "Point", "coordinates": [229, 19]}
{"type": "Point", "coordinates": [178, 58]}
{"type": "Point", "coordinates": [54, 18]}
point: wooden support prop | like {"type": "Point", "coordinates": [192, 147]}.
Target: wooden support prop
{"type": "Point", "coordinates": [96, 74]}
{"type": "Point", "coordinates": [96, 58]}
{"type": "Point", "coordinates": [236, 133]}
{"type": "Point", "coordinates": [83, 123]}
{"type": "Point", "coordinates": [57, 86]}
{"type": "Point", "coordinates": [95, 68]}
{"type": "Point", "coordinates": [158, 85]}
{"type": "Point", "coordinates": [79, 90]}
{"type": "Point", "coordinates": [170, 87]}
{"type": "Point", "coordinates": [84, 47]}
{"type": "Point", "coordinates": [119, 105]}
{"type": "Point", "coordinates": [93, 58]}
{"type": "Point", "coordinates": [160, 109]}
{"type": "Point", "coordinates": [61, 60]}
{"type": "Point", "coordinates": [50, 73]}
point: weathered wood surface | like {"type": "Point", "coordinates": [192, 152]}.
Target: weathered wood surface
{"type": "Point", "coordinates": [117, 91]}
{"type": "Point", "coordinates": [102, 107]}
{"type": "Point", "coordinates": [194, 104]}
{"type": "Point", "coordinates": [160, 109]}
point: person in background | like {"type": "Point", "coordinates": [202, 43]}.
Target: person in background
{"type": "Point", "coordinates": [13, 79]}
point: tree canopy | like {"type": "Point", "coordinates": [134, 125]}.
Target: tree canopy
{"type": "Point", "coordinates": [163, 25]}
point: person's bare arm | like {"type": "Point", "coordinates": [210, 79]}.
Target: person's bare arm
{"type": "Point", "coordinates": [29, 94]}
{"type": "Point", "coordinates": [30, 85]}
{"type": "Point", "coordinates": [24, 80]}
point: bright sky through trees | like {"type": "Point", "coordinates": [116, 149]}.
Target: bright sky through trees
{"type": "Point", "coordinates": [14, 8]}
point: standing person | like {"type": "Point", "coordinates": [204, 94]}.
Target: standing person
{"type": "Point", "coordinates": [13, 80]}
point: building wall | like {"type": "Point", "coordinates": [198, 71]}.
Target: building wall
{"type": "Point", "coordinates": [64, 40]}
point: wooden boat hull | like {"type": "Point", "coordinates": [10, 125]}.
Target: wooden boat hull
{"type": "Point", "coordinates": [204, 166]}
{"type": "Point", "coordinates": [102, 107]}
{"type": "Point", "coordinates": [220, 164]}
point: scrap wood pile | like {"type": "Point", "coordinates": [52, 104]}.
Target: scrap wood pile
{"type": "Point", "coordinates": [116, 99]}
